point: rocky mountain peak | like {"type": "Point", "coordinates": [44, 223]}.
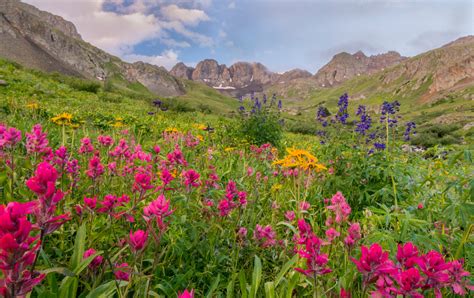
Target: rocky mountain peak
{"type": "Point", "coordinates": [345, 66]}
{"type": "Point", "coordinates": [238, 79]}
{"type": "Point", "coordinates": [180, 70]}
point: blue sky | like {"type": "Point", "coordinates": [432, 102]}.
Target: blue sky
{"type": "Point", "coordinates": [281, 34]}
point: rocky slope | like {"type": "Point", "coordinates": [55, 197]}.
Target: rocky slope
{"type": "Point", "coordinates": [238, 79]}
{"type": "Point", "coordinates": [425, 78]}
{"type": "Point", "coordinates": [242, 77]}
{"type": "Point", "coordinates": [345, 66]}
{"type": "Point", "coordinates": [41, 40]}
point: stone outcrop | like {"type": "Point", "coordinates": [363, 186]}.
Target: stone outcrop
{"type": "Point", "coordinates": [182, 71]}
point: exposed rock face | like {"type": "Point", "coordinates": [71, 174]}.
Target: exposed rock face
{"type": "Point", "coordinates": [208, 71]}
{"type": "Point", "coordinates": [156, 79]}
{"type": "Point", "coordinates": [429, 76]}
{"type": "Point", "coordinates": [182, 71]}
{"type": "Point", "coordinates": [47, 42]}
{"type": "Point", "coordinates": [293, 75]}
{"type": "Point", "coordinates": [450, 66]}
{"type": "Point", "coordinates": [345, 66]}
{"type": "Point", "coordinates": [238, 79]}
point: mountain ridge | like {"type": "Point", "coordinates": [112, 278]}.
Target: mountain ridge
{"type": "Point", "coordinates": [33, 37]}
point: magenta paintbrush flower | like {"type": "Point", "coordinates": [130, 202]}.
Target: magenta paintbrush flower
{"type": "Point", "coordinates": [17, 250]}
{"type": "Point", "coordinates": [339, 207]}
{"type": "Point", "coordinates": [37, 141]}
{"type": "Point", "coordinates": [137, 240]}
{"type": "Point", "coordinates": [43, 183]}
{"type": "Point", "coordinates": [309, 247]}
{"type": "Point", "coordinates": [186, 294]}
{"type": "Point", "coordinates": [96, 169]}
{"type": "Point", "coordinates": [407, 255]}
{"type": "Point", "coordinates": [191, 178]}
{"type": "Point", "coordinates": [374, 264]}
{"type": "Point", "coordinates": [122, 272]}
{"type": "Point", "coordinates": [265, 236]}
{"type": "Point", "coordinates": [86, 146]}
{"type": "Point", "coordinates": [96, 262]}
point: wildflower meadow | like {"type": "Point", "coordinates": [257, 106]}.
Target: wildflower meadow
{"type": "Point", "coordinates": [123, 202]}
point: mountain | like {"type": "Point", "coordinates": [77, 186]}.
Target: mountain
{"type": "Point", "coordinates": [436, 86]}
{"type": "Point", "coordinates": [345, 66]}
{"type": "Point", "coordinates": [43, 41]}
{"type": "Point", "coordinates": [239, 79]}
{"type": "Point", "coordinates": [244, 77]}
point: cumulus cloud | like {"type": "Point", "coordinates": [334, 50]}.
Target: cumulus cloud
{"type": "Point", "coordinates": [185, 16]}
{"type": "Point", "coordinates": [168, 58]}
{"type": "Point", "coordinates": [116, 26]}
{"type": "Point", "coordinates": [108, 30]}
{"type": "Point", "coordinates": [196, 37]}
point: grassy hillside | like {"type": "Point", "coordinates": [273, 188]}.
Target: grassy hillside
{"type": "Point", "coordinates": [56, 92]}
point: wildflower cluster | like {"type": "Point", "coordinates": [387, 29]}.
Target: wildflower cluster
{"type": "Point", "coordinates": [412, 274]}
{"type": "Point", "coordinates": [301, 159]}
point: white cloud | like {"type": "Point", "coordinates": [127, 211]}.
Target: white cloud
{"type": "Point", "coordinates": [231, 5]}
{"type": "Point", "coordinates": [167, 59]}
{"type": "Point", "coordinates": [175, 43]}
{"type": "Point", "coordinates": [109, 31]}
{"type": "Point", "coordinates": [186, 16]}
{"type": "Point", "coordinates": [196, 37]}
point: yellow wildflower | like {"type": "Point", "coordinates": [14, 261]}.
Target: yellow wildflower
{"type": "Point", "coordinates": [201, 138]}
{"type": "Point", "coordinates": [199, 126]}
{"type": "Point", "coordinates": [276, 187]}
{"type": "Point", "coordinates": [117, 124]}
{"type": "Point", "coordinates": [227, 149]}
{"type": "Point", "coordinates": [62, 119]}
{"type": "Point", "coordinates": [299, 158]}
{"type": "Point", "coordinates": [171, 130]}
{"type": "Point", "coordinates": [32, 106]}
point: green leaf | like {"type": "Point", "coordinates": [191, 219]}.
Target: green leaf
{"type": "Point", "coordinates": [256, 277]}
{"type": "Point", "coordinates": [291, 285]}
{"type": "Point", "coordinates": [214, 286]}
{"type": "Point", "coordinates": [230, 287]}
{"type": "Point", "coordinates": [270, 289]}
{"type": "Point", "coordinates": [105, 290]}
{"type": "Point", "coordinates": [289, 264]}
{"type": "Point", "coordinates": [79, 247]}
{"type": "Point", "coordinates": [243, 284]}
{"type": "Point", "coordinates": [61, 270]}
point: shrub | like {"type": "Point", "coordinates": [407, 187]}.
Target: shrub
{"type": "Point", "coordinates": [432, 135]}
{"type": "Point", "coordinates": [262, 124]}
{"type": "Point", "coordinates": [302, 128]}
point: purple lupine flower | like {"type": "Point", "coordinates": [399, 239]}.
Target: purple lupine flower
{"type": "Point", "coordinates": [410, 129]}
{"type": "Point", "coordinates": [342, 114]}
{"type": "Point", "coordinates": [387, 109]}
{"type": "Point", "coordinates": [157, 103]}
{"type": "Point", "coordinates": [365, 122]}
{"type": "Point", "coordinates": [279, 104]}
{"type": "Point", "coordinates": [379, 146]}
{"type": "Point", "coordinates": [321, 115]}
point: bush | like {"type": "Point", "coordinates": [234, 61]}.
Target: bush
{"type": "Point", "coordinates": [432, 135]}
{"type": "Point", "coordinates": [262, 124]}
{"type": "Point", "coordinates": [77, 83]}
{"type": "Point", "coordinates": [204, 109]}
{"type": "Point", "coordinates": [304, 128]}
